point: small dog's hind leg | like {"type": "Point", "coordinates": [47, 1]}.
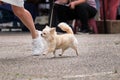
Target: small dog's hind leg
{"type": "Point", "coordinates": [75, 48]}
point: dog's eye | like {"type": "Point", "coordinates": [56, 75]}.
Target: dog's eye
{"type": "Point", "coordinates": [44, 33]}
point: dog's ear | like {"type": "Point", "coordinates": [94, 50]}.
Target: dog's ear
{"type": "Point", "coordinates": [46, 26]}
{"type": "Point", "coordinates": [52, 30]}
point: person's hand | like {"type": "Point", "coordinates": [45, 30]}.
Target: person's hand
{"type": "Point", "coordinates": [72, 5]}
{"type": "Point", "coordinates": [61, 1]}
{"type": "Point", "coordinates": [1, 2]}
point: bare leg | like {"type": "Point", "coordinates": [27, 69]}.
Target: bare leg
{"type": "Point", "coordinates": [26, 18]}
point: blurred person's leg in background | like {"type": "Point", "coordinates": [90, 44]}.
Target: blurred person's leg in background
{"type": "Point", "coordinates": [105, 7]}
{"type": "Point", "coordinates": [110, 9]}
{"type": "Point", "coordinates": [113, 6]}
{"type": "Point", "coordinates": [97, 17]}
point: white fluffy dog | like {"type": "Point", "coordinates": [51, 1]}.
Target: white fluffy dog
{"type": "Point", "coordinates": [61, 41]}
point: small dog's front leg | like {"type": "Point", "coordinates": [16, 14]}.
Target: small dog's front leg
{"type": "Point", "coordinates": [54, 53]}
{"type": "Point", "coordinates": [62, 52]}
{"type": "Point", "coordinates": [49, 51]}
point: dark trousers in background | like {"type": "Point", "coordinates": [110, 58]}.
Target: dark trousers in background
{"type": "Point", "coordinates": [82, 12]}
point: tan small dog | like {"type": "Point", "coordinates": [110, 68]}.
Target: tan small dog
{"type": "Point", "coordinates": [61, 41]}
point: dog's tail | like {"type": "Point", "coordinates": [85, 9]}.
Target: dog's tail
{"type": "Point", "coordinates": [65, 27]}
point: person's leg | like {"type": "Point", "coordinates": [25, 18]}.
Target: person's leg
{"type": "Point", "coordinates": [26, 18]}
{"type": "Point", "coordinates": [113, 5]}
{"type": "Point", "coordinates": [61, 13]}
{"type": "Point", "coordinates": [82, 15]}
{"type": "Point", "coordinates": [91, 11]}
{"type": "Point", "coordinates": [97, 17]}
{"type": "Point", "coordinates": [106, 2]}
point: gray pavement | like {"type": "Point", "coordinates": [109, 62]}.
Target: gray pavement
{"type": "Point", "coordinates": [99, 59]}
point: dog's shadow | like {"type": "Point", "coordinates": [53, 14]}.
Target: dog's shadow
{"type": "Point", "coordinates": [62, 57]}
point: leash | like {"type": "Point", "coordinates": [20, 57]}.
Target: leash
{"type": "Point", "coordinates": [51, 15]}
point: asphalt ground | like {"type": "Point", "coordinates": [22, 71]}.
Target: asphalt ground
{"type": "Point", "coordinates": [99, 59]}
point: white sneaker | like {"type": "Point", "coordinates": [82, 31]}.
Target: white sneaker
{"type": "Point", "coordinates": [38, 45]}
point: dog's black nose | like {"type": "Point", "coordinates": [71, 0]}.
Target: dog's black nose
{"type": "Point", "coordinates": [41, 35]}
